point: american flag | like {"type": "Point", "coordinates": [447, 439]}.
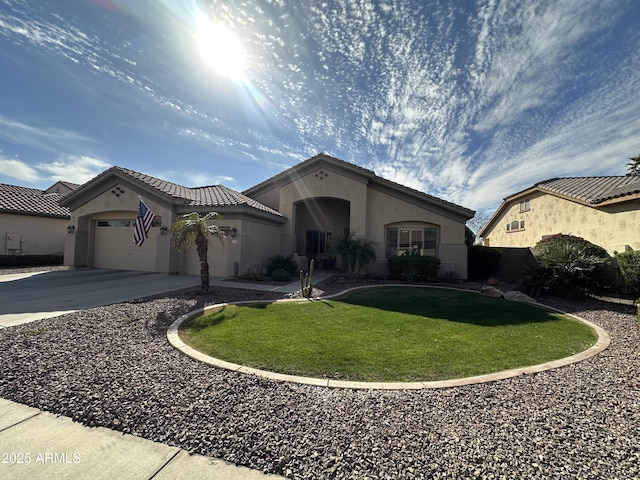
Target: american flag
{"type": "Point", "coordinates": [144, 220]}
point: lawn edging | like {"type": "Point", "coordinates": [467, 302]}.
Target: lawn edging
{"type": "Point", "coordinates": [604, 339]}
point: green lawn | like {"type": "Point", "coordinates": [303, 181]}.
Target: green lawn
{"type": "Point", "coordinates": [388, 334]}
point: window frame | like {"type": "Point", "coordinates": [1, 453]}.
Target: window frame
{"type": "Point", "coordinates": [396, 245]}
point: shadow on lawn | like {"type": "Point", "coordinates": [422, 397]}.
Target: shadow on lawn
{"type": "Point", "coordinates": [451, 305]}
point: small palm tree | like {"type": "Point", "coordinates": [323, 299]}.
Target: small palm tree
{"type": "Point", "coordinates": [193, 229]}
{"type": "Point", "coordinates": [355, 252]}
{"type": "Point", "coordinates": [633, 166]}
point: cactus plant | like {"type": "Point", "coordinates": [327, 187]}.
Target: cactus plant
{"type": "Point", "coordinates": [306, 282]}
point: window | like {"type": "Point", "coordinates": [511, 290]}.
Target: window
{"type": "Point", "coordinates": [525, 206]}
{"type": "Point", "coordinates": [515, 226]}
{"type": "Point", "coordinates": [410, 241]}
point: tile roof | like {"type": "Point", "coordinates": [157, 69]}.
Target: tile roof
{"type": "Point", "coordinates": [170, 189]}
{"type": "Point", "coordinates": [30, 201]}
{"type": "Point", "coordinates": [592, 190]}
{"type": "Point", "coordinates": [219, 195]}
{"type": "Point", "coordinates": [210, 196]}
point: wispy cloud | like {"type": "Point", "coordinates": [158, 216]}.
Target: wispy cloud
{"type": "Point", "coordinates": [470, 101]}
{"type": "Point", "coordinates": [43, 137]}
{"type": "Point", "coordinates": [71, 169]}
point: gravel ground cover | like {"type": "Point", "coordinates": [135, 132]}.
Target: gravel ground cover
{"type": "Point", "coordinates": [113, 367]}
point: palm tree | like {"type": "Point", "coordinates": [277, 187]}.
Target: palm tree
{"type": "Point", "coordinates": [355, 253]}
{"type": "Point", "coordinates": [193, 229]}
{"type": "Point", "coordinates": [633, 166]}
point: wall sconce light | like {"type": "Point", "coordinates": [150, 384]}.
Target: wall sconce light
{"type": "Point", "coordinates": [233, 231]}
{"type": "Point", "coordinates": [71, 229]}
{"type": "Point", "coordinates": [163, 230]}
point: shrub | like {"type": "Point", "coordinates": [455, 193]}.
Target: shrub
{"type": "Point", "coordinates": [566, 265]}
{"type": "Point", "coordinates": [629, 263]}
{"type": "Point", "coordinates": [555, 241]}
{"type": "Point", "coordinates": [280, 262]}
{"type": "Point", "coordinates": [413, 268]}
{"type": "Point", "coordinates": [356, 253]}
{"type": "Point", "coordinates": [253, 276]}
{"type": "Point", "coordinates": [280, 275]}
{"type": "Point", "coordinates": [482, 261]}
{"type": "Point", "coordinates": [30, 260]}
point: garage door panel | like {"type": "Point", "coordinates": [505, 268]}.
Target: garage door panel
{"type": "Point", "coordinates": [114, 247]}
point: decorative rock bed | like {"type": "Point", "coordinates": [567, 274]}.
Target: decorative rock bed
{"type": "Point", "coordinates": [113, 367]}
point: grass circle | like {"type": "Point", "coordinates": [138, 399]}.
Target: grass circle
{"type": "Point", "coordinates": [388, 334]}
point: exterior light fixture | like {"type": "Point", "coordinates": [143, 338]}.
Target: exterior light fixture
{"type": "Point", "coordinates": [233, 231]}
{"type": "Point", "coordinates": [163, 230]}
{"type": "Point", "coordinates": [71, 229]}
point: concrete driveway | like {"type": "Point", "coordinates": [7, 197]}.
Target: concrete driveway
{"type": "Point", "coordinates": [32, 296]}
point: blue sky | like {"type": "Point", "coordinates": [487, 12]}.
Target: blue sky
{"type": "Point", "coordinates": [466, 100]}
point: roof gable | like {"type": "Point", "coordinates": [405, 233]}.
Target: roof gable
{"type": "Point", "coordinates": [31, 201]}
{"type": "Point", "coordinates": [589, 191]}
{"type": "Point", "coordinates": [217, 196]}
{"type": "Point", "coordinates": [306, 167]}
{"type": "Point", "coordinates": [353, 171]}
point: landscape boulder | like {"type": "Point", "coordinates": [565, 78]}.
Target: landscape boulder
{"type": "Point", "coordinates": [491, 292]}
{"type": "Point", "coordinates": [517, 296]}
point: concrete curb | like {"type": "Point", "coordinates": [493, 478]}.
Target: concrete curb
{"type": "Point", "coordinates": [604, 339]}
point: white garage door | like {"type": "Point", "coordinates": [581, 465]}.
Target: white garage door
{"type": "Point", "coordinates": [217, 259]}
{"type": "Point", "coordinates": [114, 247]}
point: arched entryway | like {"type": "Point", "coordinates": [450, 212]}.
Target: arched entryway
{"type": "Point", "coordinates": [318, 222]}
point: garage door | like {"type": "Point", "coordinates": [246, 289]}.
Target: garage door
{"type": "Point", "coordinates": [217, 258]}
{"type": "Point", "coordinates": [114, 247]}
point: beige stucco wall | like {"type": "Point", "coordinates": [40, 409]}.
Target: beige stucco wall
{"type": "Point", "coordinates": [370, 210]}
{"type": "Point", "coordinates": [327, 184]}
{"type": "Point", "coordinates": [106, 205]}
{"type": "Point", "coordinates": [37, 235]}
{"type": "Point", "coordinates": [384, 209]}
{"type": "Point", "coordinates": [257, 241]}
{"type": "Point", "coordinates": [615, 227]}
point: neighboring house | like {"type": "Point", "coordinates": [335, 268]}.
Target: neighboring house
{"type": "Point", "coordinates": [31, 220]}
{"type": "Point", "coordinates": [602, 210]}
{"type": "Point", "coordinates": [298, 212]}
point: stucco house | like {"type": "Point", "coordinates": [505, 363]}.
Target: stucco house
{"type": "Point", "coordinates": [297, 212]}
{"type": "Point", "coordinates": [602, 210]}
{"type": "Point", "coordinates": [31, 221]}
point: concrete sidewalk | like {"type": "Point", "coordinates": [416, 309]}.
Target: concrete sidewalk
{"type": "Point", "coordinates": [39, 445]}
{"type": "Point", "coordinates": [287, 288]}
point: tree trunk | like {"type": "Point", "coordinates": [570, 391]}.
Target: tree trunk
{"type": "Point", "coordinates": [202, 246]}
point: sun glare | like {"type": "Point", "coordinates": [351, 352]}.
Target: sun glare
{"type": "Point", "coordinates": [220, 48]}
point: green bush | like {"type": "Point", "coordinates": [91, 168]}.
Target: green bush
{"type": "Point", "coordinates": [629, 263]}
{"type": "Point", "coordinates": [280, 275]}
{"type": "Point", "coordinates": [553, 242]}
{"type": "Point", "coordinates": [567, 266]}
{"type": "Point", "coordinates": [30, 260]}
{"type": "Point", "coordinates": [413, 268]}
{"type": "Point", "coordinates": [482, 262]}
{"type": "Point", "coordinates": [253, 276]}
{"type": "Point", "coordinates": [280, 262]}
